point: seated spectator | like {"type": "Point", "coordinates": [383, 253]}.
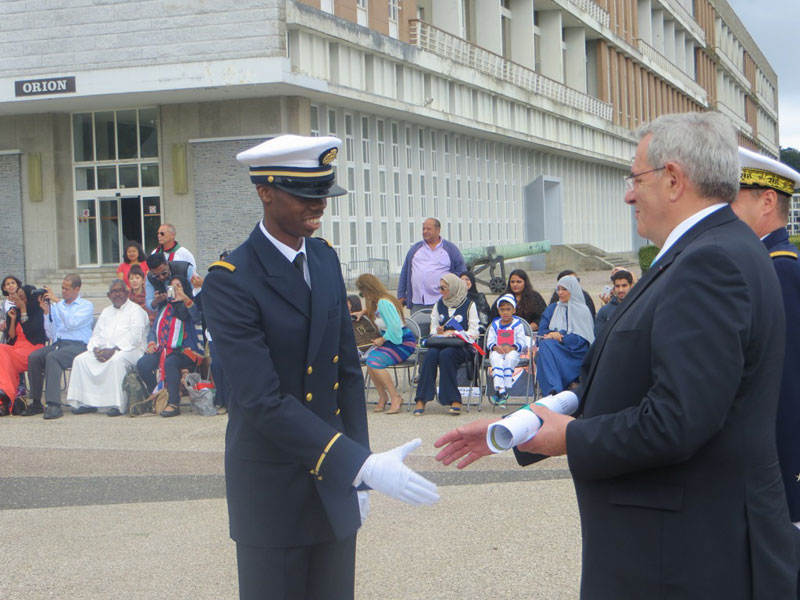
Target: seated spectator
{"type": "Point", "coordinates": [622, 281]}
{"type": "Point", "coordinates": [395, 344]}
{"type": "Point", "coordinates": [117, 343]}
{"type": "Point", "coordinates": [138, 295]}
{"type": "Point", "coordinates": [68, 324]}
{"type": "Point", "coordinates": [171, 250]}
{"type": "Point", "coordinates": [354, 304]}
{"type": "Point", "coordinates": [451, 312]}
{"type": "Point", "coordinates": [586, 297]}
{"type": "Point", "coordinates": [479, 298]}
{"type": "Point", "coordinates": [608, 291]}
{"type": "Point", "coordinates": [505, 340]}
{"type": "Point", "coordinates": [160, 272]}
{"type": "Point", "coordinates": [24, 326]}
{"type": "Point", "coordinates": [172, 344]}
{"type": "Point", "coordinates": [10, 286]}
{"type": "Point", "coordinates": [567, 331]}
{"type": "Point", "coordinates": [530, 304]}
{"type": "Point", "coordinates": [134, 255]}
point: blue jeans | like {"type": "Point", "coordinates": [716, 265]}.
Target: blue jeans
{"type": "Point", "coordinates": [447, 361]}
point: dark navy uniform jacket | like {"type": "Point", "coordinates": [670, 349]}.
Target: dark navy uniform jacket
{"type": "Point", "coordinates": [784, 258]}
{"type": "Point", "coordinates": [297, 425]}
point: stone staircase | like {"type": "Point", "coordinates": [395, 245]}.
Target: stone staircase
{"type": "Point", "coordinates": [585, 257]}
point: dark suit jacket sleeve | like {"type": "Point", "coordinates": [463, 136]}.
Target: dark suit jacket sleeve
{"type": "Point", "coordinates": [700, 327]}
{"type": "Point", "coordinates": [234, 319]}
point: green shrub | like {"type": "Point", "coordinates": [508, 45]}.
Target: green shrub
{"type": "Point", "coordinates": [646, 256]}
{"type": "Point", "coordinates": [795, 239]}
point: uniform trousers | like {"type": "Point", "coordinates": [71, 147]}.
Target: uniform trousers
{"type": "Point", "coordinates": [46, 366]}
{"type": "Point", "coordinates": [319, 572]}
{"type": "Point", "coordinates": [503, 366]}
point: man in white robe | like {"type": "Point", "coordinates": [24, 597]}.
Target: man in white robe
{"type": "Point", "coordinates": [117, 342]}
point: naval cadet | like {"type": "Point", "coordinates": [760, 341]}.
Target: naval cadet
{"type": "Point", "coordinates": [296, 449]}
{"type": "Point", "coordinates": [763, 202]}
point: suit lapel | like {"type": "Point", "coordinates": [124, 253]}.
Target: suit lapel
{"type": "Point", "coordinates": [321, 293]}
{"type": "Point", "coordinates": [723, 215]}
{"type": "Point", "coordinates": [282, 276]}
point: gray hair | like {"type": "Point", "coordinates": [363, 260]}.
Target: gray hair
{"type": "Point", "coordinates": [703, 144]}
{"type": "Point", "coordinates": [171, 227]}
{"type": "Point", "coordinates": [115, 282]}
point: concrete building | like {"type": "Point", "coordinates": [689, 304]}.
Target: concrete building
{"type": "Point", "coordinates": [509, 120]}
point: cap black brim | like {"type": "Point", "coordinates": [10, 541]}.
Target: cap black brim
{"type": "Point", "coordinates": [311, 191]}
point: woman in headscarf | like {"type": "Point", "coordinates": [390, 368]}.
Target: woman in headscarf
{"type": "Point", "coordinates": [395, 344]}
{"type": "Point", "coordinates": [25, 333]}
{"type": "Point", "coordinates": [454, 311]}
{"type": "Point", "coordinates": [530, 304]}
{"type": "Point", "coordinates": [568, 331]}
{"type": "Point", "coordinates": [479, 298]}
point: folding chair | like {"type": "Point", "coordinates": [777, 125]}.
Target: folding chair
{"type": "Point", "coordinates": [411, 363]}
{"type": "Point", "coordinates": [525, 363]}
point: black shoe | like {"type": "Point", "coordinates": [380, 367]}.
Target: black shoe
{"type": "Point", "coordinates": [53, 411]}
{"type": "Point", "coordinates": [84, 410]}
{"type": "Point", "coordinates": [171, 411]}
{"type": "Point", "coordinates": [113, 412]}
{"type": "Point", "coordinates": [34, 408]}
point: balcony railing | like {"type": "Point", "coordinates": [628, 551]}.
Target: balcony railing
{"type": "Point", "coordinates": [738, 120]}
{"type": "Point", "coordinates": [454, 48]}
{"type": "Point", "coordinates": [665, 64]}
{"type": "Point", "coordinates": [597, 12]}
{"type": "Point", "coordinates": [686, 17]}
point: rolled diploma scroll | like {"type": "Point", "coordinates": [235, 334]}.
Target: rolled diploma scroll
{"type": "Point", "coordinates": [523, 424]}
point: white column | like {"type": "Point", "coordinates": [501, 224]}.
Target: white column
{"type": "Point", "coordinates": [446, 15]}
{"type": "Point", "coordinates": [680, 49]}
{"type": "Point", "coordinates": [646, 21]}
{"type": "Point", "coordinates": [658, 30]}
{"type": "Point", "coordinates": [690, 56]}
{"type": "Point", "coordinates": [575, 38]}
{"type": "Point", "coordinates": [550, 45]}
{"type": "Point", "coordinates": [669, 40]}
{"type": "Point", "coordinates": [522, 33]}
{"type": "Point", "coordinates": [487, 26]}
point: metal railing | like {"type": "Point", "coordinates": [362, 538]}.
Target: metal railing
{"type": "Point", "coordinates": [454, 48]}
{"type": "Point", "coordinates": [376, 266]}
{"type": "Point", "coordinates": [665, 64]}
{"type": "Point", "coordinates": [678, 9]}
{"type": "Point", "coordinates": [597, 12]}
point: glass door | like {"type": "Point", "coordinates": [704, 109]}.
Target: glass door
{"type": "Point", "coordinates": [87, 231]}
{"type": "Point", "coordinates": [110, 236]}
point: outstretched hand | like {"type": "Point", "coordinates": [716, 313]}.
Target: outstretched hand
{"type": "Point", "coordinates": [467, 441]}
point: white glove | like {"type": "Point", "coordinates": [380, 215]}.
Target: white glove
{"type": "Point", "coordinates": [363, 505]}
{"type": "Point", "coordinates": [386, 473]}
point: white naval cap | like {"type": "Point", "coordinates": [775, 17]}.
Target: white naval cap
{"type": "Point", "coordinates": [759, 171]}
{"type": "Point", "coordinates": [297, 164]}
{"type": "Point", "coordinates": [508, 298]}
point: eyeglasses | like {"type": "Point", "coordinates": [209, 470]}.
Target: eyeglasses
{"type": "Point", "coordinates": [630, 180]}
{"type": "Point", "coordinates": [162, 233]}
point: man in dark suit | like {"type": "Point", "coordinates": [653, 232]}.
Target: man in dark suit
{"type": "Point", "coordinates": [676, 471]}
{"type": "Point", "coordinates": [297, 448]}
{"type": "Point", "coordinates": [763, 203]}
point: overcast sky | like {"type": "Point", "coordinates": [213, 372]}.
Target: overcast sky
{"type": "Point", "coordinates": [774, 27]}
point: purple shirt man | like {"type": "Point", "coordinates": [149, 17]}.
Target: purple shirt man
{"type": "Point", "coordinates": [424, 266]}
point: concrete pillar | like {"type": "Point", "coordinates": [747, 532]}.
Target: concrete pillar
{"type": "Point", "coordinates": [669, 40]}
{"type": "Point", "coordinates": [645, 21]}
{"type": "Point", "coordinates": [658, 30]}
{"type": "Point", "coordinates": [522, 33]}
{"type": "Point", "coordinates": [446, 15]}
{"type": "Point", "coordinates": [690, 66]}
{"type": "Point", "coordinates": [488, 26]}
{"type": "Point", "coordinates": [550, 45]}
{"type": "Point", "coordinates": [680, 49]}
{"type": "Point", "coordinates": [575, 40]}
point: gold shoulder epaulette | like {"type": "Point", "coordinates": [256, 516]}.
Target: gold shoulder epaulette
{"type": "Point", "coordinates": [783, 253]}
{"type": "Point", "coordinates": [324, 241]}
{"type": "Point", "coordinates": [223, 264]}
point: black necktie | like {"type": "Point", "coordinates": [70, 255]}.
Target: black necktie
{"type": "Point", "coordinates": [298, 264]}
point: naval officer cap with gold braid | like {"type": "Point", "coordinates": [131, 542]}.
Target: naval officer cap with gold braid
{"type": "Point", "coordinates": [299, 165]}
{"type": "Point", "coordinates": [759, 171]}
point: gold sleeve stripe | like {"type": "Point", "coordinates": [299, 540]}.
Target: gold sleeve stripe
{"type": "Point", "coordinates": [783, 253]}
{"type": "Point", "coordinates": [325, 453]}
{"type": "Point", "coordinates": [223, 264]}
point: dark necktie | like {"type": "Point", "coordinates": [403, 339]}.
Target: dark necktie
{"type": "Point", "coordinates": [298, 263]}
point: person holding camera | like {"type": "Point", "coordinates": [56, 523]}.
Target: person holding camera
{"type": "Point", "coordinates": [68, 324]}
{"type": "Point", "coordinates": [24, 327]}
{"type": "Point", "coordinates": [172, 344]}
